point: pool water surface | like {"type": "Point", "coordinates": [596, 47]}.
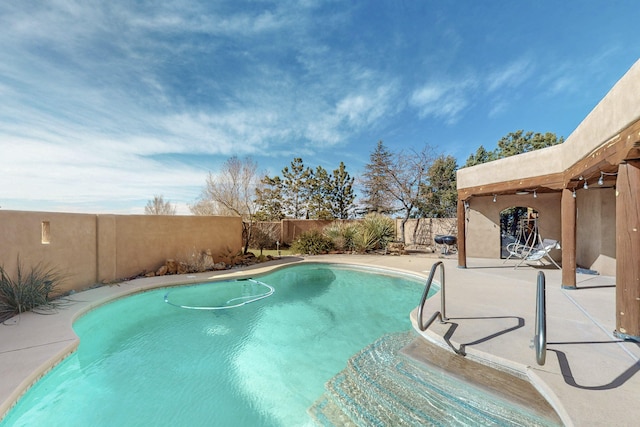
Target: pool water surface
{"type": "Point", "coordinates": [142, 361]}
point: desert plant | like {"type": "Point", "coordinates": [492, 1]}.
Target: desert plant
{"type": "Point", "coordinates": [312, 242]}
{"type": "Point", "coordinates": [263, 237]}
{"type": "Point", "coordinates": [33, 291]}
{"type": "Point", "coordinates": [342, 234]}
{"type": "Point", "coordinates": [375, 231]}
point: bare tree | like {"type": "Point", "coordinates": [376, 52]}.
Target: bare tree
{"type": "Point", "coordinates": [232, 192]}
{"type": "Point", "coordinates": [157, 206]}
{"type": "Point", "coordinates": [406, 175]}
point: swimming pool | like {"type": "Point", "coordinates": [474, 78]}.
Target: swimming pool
{"type": "Point", "coordinates": [142, 361]}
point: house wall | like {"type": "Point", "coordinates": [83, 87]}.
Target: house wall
{"type": "Point", "coordinates": [88, 248]}
{"type": "Point", "coordinates": [483, 221]}
{"type": "Point", "coordinates": [596, 230]}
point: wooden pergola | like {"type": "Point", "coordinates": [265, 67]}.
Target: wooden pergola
{"type": "Point", "coordinates": [617, 163]}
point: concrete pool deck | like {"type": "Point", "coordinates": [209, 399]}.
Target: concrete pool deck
{"type": "Point", "coordinates": [590, 376]}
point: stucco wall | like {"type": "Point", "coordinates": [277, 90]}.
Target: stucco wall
{"type": "Point", "coordinates": [89, 248]}
{"type": "Point", "coordinates": [422, 231]}
{"type": "Point", "coordinates": [483, 221]}
{"type": "Point", "coordinates": [71, 248]}
{"type": "Point", "coordinates": [596, 230]}
{"type": "Point", "coordinates": [292, 228]}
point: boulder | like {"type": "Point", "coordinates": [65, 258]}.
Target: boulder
{"type": "Point", "coordinates": [396, 248]}
{"type": "Point", "coordinates": [172, 266]}
{"type": "Point", "coordinates": [219, 266]}
{"type": "Point", "coordinates": [207, 262]}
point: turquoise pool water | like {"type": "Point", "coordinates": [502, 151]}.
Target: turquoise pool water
{"type": "Point", "coordinates": [142, 361]}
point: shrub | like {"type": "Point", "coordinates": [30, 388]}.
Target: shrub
{"type": "Point", "coordinates": [312, 242]}
{"type": "Point", "coordinates": [32, 291]}
{"type": "Point", "coordinates": [375, 231]}
{"type": "Point", "coordinates": [262, 239]}
{"type": "Point", "coordinates": [343, 235]}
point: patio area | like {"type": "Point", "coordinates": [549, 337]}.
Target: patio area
{"type": "Point", "coordinates": [590, 376]}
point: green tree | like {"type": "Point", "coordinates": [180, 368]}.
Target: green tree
{"type": "Point", "coordinates": [295, 193]}
{"type": "Point", "coordinates": [440, 196]}
{"type": "Point", "coordinates": [481, 156]}
{"type": "Point", "coordinates": [519, 142]}
{"type": "Point", "coordinates": [375, 179]}
{"type": "Point", "coordinates": [269, 200]}
{"type": "Point", "coordinates": [318, 189]}
{"type": "Point", "coordinates": [513, 143]}
{"type": "Point", "coordinates": [341, 195]}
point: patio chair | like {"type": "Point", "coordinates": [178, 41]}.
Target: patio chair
{"type": "Point", "coordinates": [533, 253]}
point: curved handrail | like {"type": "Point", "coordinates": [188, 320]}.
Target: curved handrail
{"type": "Point", "coordinates": [442, 313]}
{"type": "Point", "coordinates": [540, 339]}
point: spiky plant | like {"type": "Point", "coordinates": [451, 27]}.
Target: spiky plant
{"type": "Point", "coordinates": [34, 290]}
{"type": "Point", "coordinates": [342, 234]}
{"type": "Point", "coordinates": [375, 232]}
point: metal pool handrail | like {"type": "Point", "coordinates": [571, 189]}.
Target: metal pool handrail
{"type": "Point", "coordinates": [540, 339]}
{"type": "Point", "coordinates": [441, 314]}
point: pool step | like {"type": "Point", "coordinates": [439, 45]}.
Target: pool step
{"type": "Point", "coordinates": [388, 383]}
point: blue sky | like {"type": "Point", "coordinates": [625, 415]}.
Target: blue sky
{"type": "Point", "coordinates": [105, 104]}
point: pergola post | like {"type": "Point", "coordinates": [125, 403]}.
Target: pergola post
{"type": "Point", "coordinates": [628, 251]}
{"type": "Point", "coordinates": [568, 224]}
{"type": "Point", "coordinates": [462, 236]}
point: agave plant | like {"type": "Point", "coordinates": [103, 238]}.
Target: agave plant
{"type": "Point", "coordinates": [375, 231]}
{"type": "Point", "coordinates": [342, 234]}
{"type": "Point", "coordinates": [33, 290]}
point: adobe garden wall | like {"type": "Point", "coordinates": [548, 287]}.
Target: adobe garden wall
{"type": "Point", "coordinates": [89, 248]}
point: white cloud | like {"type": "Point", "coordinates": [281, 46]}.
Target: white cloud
{"type": "Point", "coordinates": [511, 75]}
{"type": "Point", "coordinates": [445, 99]}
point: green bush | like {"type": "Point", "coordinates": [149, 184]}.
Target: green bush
{"type": "Point", "coordinates": [32, 291]}
{"type": "Point", "coordinates": [375, 231]}
{"type": "Point", "coordinates": [343, 235]}
{"type": "Point", "coordinates": [312, 242]}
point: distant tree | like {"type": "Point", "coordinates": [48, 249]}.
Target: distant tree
{"type": "Point", "coordinates": [295, 193]}
{"type": "Point", "coordinates": [203, 207]}
{"type": "Point", "coordinates": [406, 177]}
{"type": "Point", "coordinates": [513, 143]}
{"type": "Point", "coordinates": [269, 199]}
{"type": "Point", "coordinates": [306, 193]}
{"type": "Point", "coordinates": [318, 191]}
{"type": "Point", "coordinates": [341, 194]}
{"type": "Point", "coordinates": [481, 156]}
{"type": "Point", "coordinates": [158, 206]}
{"type": "Point", "coordinates": [375, 179]}
{"type": "Point", "coordinates": [519, 142]}
{"type": "Point", "coordinates": [440, 197]}
{"type": "Point", "coordinates": [232, 192]}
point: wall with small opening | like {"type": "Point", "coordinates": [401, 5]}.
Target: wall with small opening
{"type": "Point", "coordinates": [88, 249]}
{"type": "Point", "coordinates": [483, 237]}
